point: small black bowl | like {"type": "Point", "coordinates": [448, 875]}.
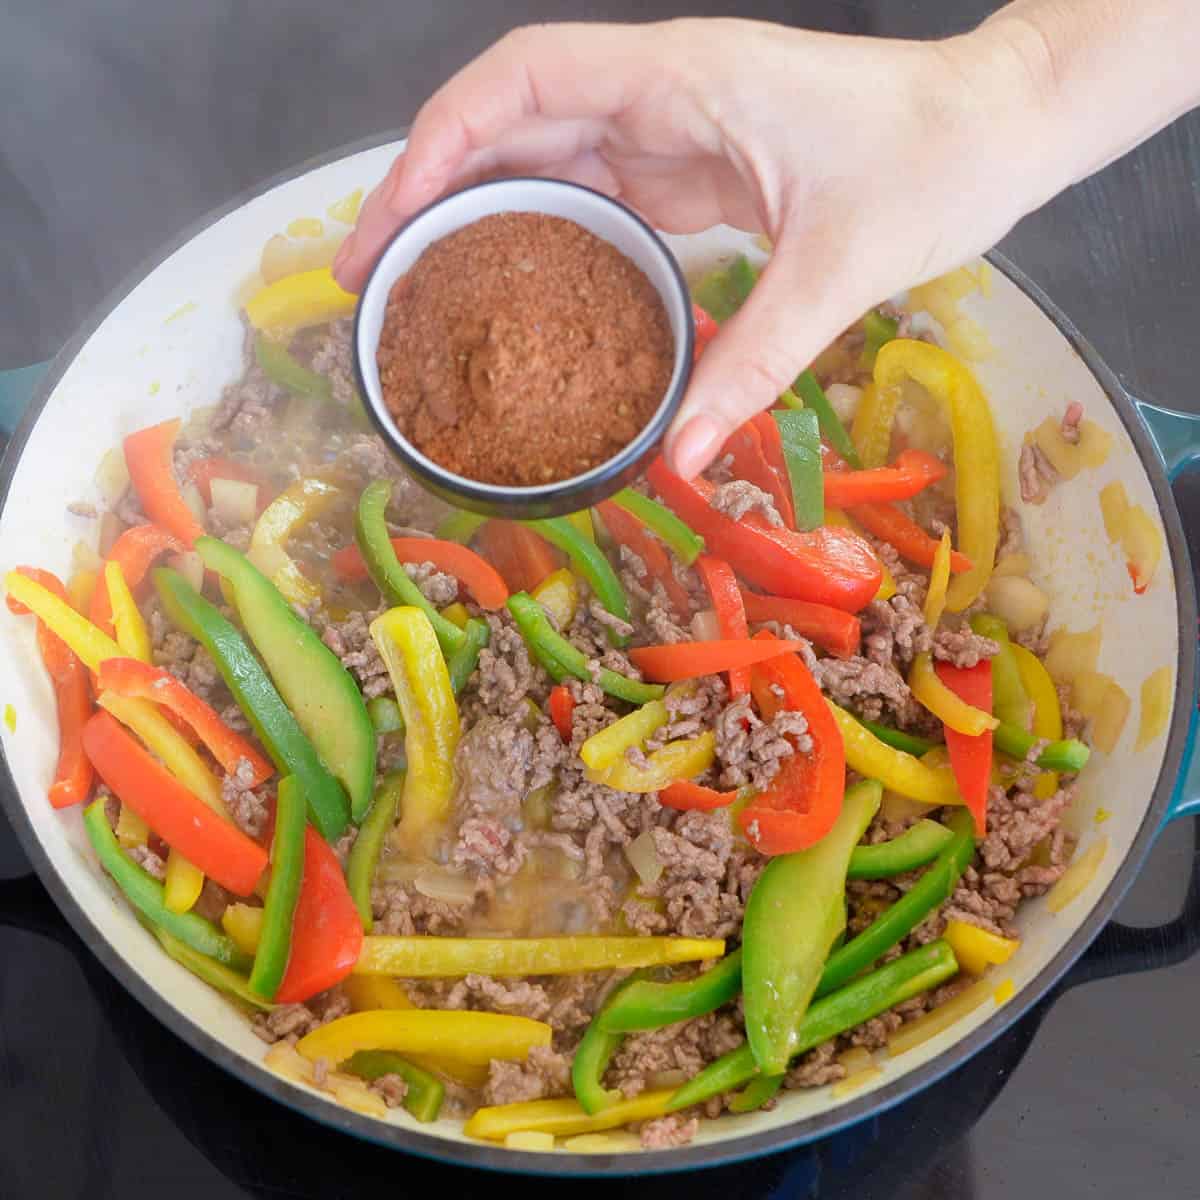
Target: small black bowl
{"type": "Point", "coordinates": [599, 214]}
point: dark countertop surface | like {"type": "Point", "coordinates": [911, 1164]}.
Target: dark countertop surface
{"type": "Point", "coordinates": [123, 121]}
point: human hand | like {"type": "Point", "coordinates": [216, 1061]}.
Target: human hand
{"type": "Point", "coordinates": [872, 165]}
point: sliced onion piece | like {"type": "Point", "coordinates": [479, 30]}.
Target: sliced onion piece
{"type": "Point", "coordinates": [1077, 876]}
{"type": "Point", "coordinates": [1072, 653]}
{"type": "Point", "coordinates": [1018, 602]}
{"type": "Point", "coordinates": [85, 558]}
{"type": "Point", "coordinates": [190, 565]}
{"type": "Point", "coordinates": [112, 476]}
{"type": "Point", "coordinates": [643, 858]}
{"type": "Point", "coordinates": [195, 502]}
{"type": "Point", "coordinates": [844, 397]}
{"type": "Point", "coordinates": [705, 627]}
{"type": "Point", "coordinates": [909, 1036]}
{"type": "Point", "coordinates": [854, 1081]}
{"type": "Point", "coordinates": [448, 886]}
{"type": "Point", "coordinates": [234, 501]}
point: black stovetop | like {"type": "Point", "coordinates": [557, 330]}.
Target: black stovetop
{"type": "Point", "coordinates": [133, 118]}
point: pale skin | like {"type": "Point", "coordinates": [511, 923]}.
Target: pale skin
{"type": "Point", "coordinates": [871, 164]}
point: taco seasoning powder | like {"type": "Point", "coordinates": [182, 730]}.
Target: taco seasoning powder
{"type": "Point", "coordinates": [523, 349]}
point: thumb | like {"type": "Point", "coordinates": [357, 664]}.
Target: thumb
{"type": "Point", "coordinates": [757, 355]}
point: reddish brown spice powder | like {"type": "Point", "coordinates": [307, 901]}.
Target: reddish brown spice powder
{"type": "Point", "coordinates": [523, 349]}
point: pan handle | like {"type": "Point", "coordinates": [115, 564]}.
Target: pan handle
{"type": "Point", "coordinates": [16, 390]}
{"type": "Point", "coordinates": [1176, 435]}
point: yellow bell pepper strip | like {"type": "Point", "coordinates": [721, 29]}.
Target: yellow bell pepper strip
{"type": "Point", "coordinates": [939, 581]}
{"type": "Point", "coordinates": [604, 748]}
{"type": "Point", "coordinates": [976, 949]}
{"type": "Point", "coordinates": [589, 561]}
{"type": "Point", "coordinates": [582, 520]}
{"type": "Point", "coordinates": [471, 1037]}
{"type": "Point", "coordinates": [243, 923]}
{"type": "Point", "coordinates": [1045, 706]}
{"type": "Point", "coordinates": [132, 635]}
{"type": "Point", "coordinates": [871, 429]}
{"type": "Point", "coordinates": [317, 688]}
{"type": "Point", "coordinates": [810, 395]}
{"type": "Point", "coordinates": [1009, 700]}
{"type": "Point", "coordinates": [272, 721]}
{"type": "Point", "coordinates": [448, 957]}
{"type": "Point", "coordinates": [897, 771]}
{"type": "Point", "coordinates": [297, 505]}
{"type": "Point", "coordinates": [371, 534]}
{"type": "Point", "coordinates": [280, 367]}
{"type": "Point", "coordinates": [364, 854]}
{"type": "Point", "coordinates": [686, 544]}
{"type": "Point", "coordinates": [91, 645]}
{"type": "Point", "coordinates": [976, 454]}
{"type": "Point", "coordinates": [887, 585]}
{"type": "Point", "coordinates": [558, 594]}
{"type": "Point", "coordinates": [182, 883]}
{"type": "Point", "coordinates": [457, 612]}
{"type": "Point", "coordinates": [283, 890]}
{"type": "Point", "coordinates": [953, 712]}
{"type": "Point", "coordinates": [81, 587]}
{"type": "Point", "coordinates": [131, 829]}
{"type": "Point", "coordinates": [145, 893]}
{"type": "Point", "coordinates": [367, 992]}
{"type": "Point", "coordinates": [561, 659]}
{"type": "Point", "coordinates": [408, 646]}
{"type": "Point", "coordinates": [215, 974]}
{"type": "Point", "coordinates": [296, 301]}
{"type": "Point", "coordinates": [682, 759]}
{"type": "Point", "coordinates": [561, 1118]}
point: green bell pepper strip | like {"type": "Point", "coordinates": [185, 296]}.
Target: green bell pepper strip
{"type": "Point", "coordinates": [462, 663]}
{"type": "Point", "coordinates": [589, 561]}
{"type": "Point", "coordinates": [271, 719]}
{"type": "Point", "coordinates": [375, 544]}
{"type": "Point", "coordinates": [283, 891]}
{"type": "Point", "coordinates": [321, 693]}
{"type": "Point", "coordinates": [425, 1091]}
{"type": "Point", "coordinates": [686, 544]}
{"type": "Point", "coordinates": [801, 436]}
{"type": "Point", "coordinates": [812, 395]}
{"type": "Point", "coordinates": [724, 290]}
{"type": "Point", "coordinates": [878, 330]}
{"type": "Point", "coordinates": [756, 1093]}
{"type": "Point", "coordinates": [644, 1004]}
{"type": "Point", "coordinates": [591, 1059]}
{"type": "Point", "coordinates": [1068, 755]}
{"type": "Point", "coordinates": [558, 655]}
{"type": "Point", "coordinates": [280, 367]}
{"type": "Point", "coordinates": [385, 714]}
{"type": "Point", "coordinates": [368, 845]}
{"type": "Point", "coordinates": [795, 911]}
{"type": "Point", "coordinates": [1010, 702]}
{"type": "Point", "coordinates": [913, 848]}
{"type": "Point", "coordinates": [145, 893]}
{"type": "Point", "coordinates": [884, 988]}
{"type": "Point", "coordinates": [898, 739]}
{"type": "Point", "coordinates": [213, 973]}
{"type": "Point", "coordinates": [898, 921]}
{"type": "Point", "coordinates": [460, 526]}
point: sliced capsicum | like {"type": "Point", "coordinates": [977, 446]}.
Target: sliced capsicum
{"type": "Point", "coordinates": [521, 556]}
{"type": "Point", "coordinates": [134, 552]}
{"type": "Point", "coordinates": [912, 472]}
{"type": "Point", "coordinates": [832, 629]}
{"type": "Point", "coordinates": [939, 582]}
{"type": "Point", "coordinates": [368, 845]}
{"type": "Point", "coordinates": [130, 629]}
{"type": "Point", "coordinates": [800, 445]}
{"type": "Point", "coordinates": [971, 753]}
{"type": "Point", "coordinates": [277, 364]}
{"type": "Point", "coordinates": [476, 574]}
{"type": "Point", "coordinates": [726, 598]}
{"type": "Point", "coordinates": [283, 890]}
{"type": "Point", "coordinates": [297, 505]}
{"type": "Point", "coordinates": [682, 759]}
{"type": "Point", "coordinates": [686, 544]}
{"type": "Point", "coordinates": [626, 529]}
{"type": "Point", "coordinates": [1009, 699]}
{"type": "Point", "coordinates": [810, 394]}
{"type": "Point", "coordinates": [645, 1004]}
{"type": "Point", "coordinates": [149, 457]}
{"type": "Point", "coordinates": [296, 301]}
{"type": "Point", "coordinates": [752, 463]}
{"type": "Point", "coordinates": [676, 661]}
{"type": "Point", "coordinates": [908, 539]}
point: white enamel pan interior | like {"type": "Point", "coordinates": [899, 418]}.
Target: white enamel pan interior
{"type": "Point", "coordinates": [172, 341]}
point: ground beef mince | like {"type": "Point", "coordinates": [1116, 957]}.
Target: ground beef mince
{"type": "Point", "coordinates": [738, 497]}
{"type": "Point", "coordinates": [523, 349]}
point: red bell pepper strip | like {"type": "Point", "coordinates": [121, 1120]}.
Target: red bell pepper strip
{"type": "Point", "coordinates": [685, 795]}
{"type": "Point", "coordinates": [522, 557]}
{"type": "Point", "coordinates": [910, 541]}
{"type": "Point", "coordinates": [134, 551]}
{"type": "Point", "coordinates": [750, 462]}
{"type": "Point", "coordinates": [686, 660]}
{"type": "Point", "coordinates": [803, 801]}
{"type": "Point", "coordinates": [731, 615]}
{"type": "Point", "coordinates": [562, 705]}
{"type": "Point", "coordinates": [203, 471]}
{"type": "Point", "coordinates": [772, 448]}
{"type": "Point", "coordinates": [828, 565]}
{"type": "Point", "coordinates": [971, 756]}
{"type": "Point", "coordinates": [912, 472]}
{"type": "Point", "coordinates": [141, 681]}
{"type": "Point", "coordinates": [327, 931]}
{"type": "Point", "coordinates": [73, 774]}
{"type": "Point", "coordinates": [207, 839]}
{"type": "Point", "coordinates": [476, 574]}
{"type": "Point", "coordinates": [706, 330]}
{"type": "Point", "coordinates": [627, 530]}
{"type": "Point", "coordinates": [832, 629]}
{"type": "Point", "coordinates": [148, 455]}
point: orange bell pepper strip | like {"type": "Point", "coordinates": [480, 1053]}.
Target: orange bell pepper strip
{"type": "Point", "coordinates": [205, 838]}
{"type": "Point", "coordinates": [327, 932]}
{"type": "Point", "coordinates": [134, 552]}
{"type": "Point", "coordinates": [828, 565]}
{"type": "Point", "coordinates": [73, 774]}
{"type": "Point", "coordinates": [687, 796]}
{"type": "Point", "coordinates": [910, 541]}
{"type": "Point", "coordinates": [752, 463]}
{"type": "Point", "coordinates": [912, 472]}
{"type": "Point", "coordinates": [625, 529]}
{"type": "Point", "coordinates": [802, 802]}
{"type": "Point", "coordinates": [687, 660]}
{"type": "Point", "coordinates": [971, 755]}
{"type": "Point", "coordinates": [476, 574]}
{"type": "Point", "coordinates": [148, 456]}
{"type": "Point", "coordinates": [561, 705]}
{"type": "Point", "coordinates": [141, 681]}
{"type": "Point", "coordinates": [522, 557]}
{"type": "Point", "coordinates": [202, 471]}
{"type": "Point", "coordinates": [832, 629]}
{"type": "Point", "coordinates": [706, 330]}
{"type": "Point", "coordinates": [731, 615]}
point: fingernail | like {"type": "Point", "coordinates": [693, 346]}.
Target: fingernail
{"type": "Point", "coordinates": [344, 253]}
{"type": "Point", "coordinates": [696, 445]}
